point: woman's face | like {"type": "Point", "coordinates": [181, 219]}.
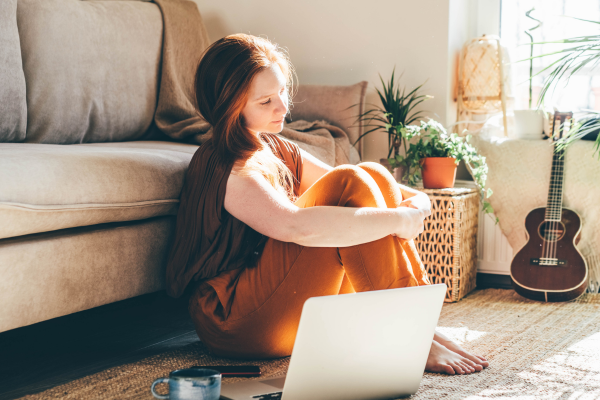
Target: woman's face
{"type": "Point", "coordinates": [267, 101]}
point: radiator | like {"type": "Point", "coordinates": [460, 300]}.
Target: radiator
{"type": "Point", "coordinates": [494, 253]}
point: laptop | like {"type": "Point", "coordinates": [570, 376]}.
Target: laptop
{"type": "Point", "coordinates": [368, 345]}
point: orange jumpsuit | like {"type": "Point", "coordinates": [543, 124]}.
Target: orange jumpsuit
{"type": "Point", "coordinates": [254, 312]}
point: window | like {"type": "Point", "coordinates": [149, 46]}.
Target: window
{"type": "Point", "coordinates": [583, 89]}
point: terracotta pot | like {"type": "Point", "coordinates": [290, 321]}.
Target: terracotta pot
{"type": "Point", "coordinates": [438, 172]}
{"type": "Point", "coordinates": [396, 173]}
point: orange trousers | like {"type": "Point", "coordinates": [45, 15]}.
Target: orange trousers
{"type": "Point", "coordinates": [255, 312]}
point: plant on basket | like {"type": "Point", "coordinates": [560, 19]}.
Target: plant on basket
{"type": "Point", "coordinates": [395, 113]}
{"type": "Point", "coordinates": [435, 156]}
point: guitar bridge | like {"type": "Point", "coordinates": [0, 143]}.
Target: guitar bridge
{"type": "Point", "coordinates": [548, 261]}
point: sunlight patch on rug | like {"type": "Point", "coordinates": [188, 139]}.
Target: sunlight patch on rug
{"type": "Point", "coordinates": [460, 335]}
{"type": "Point", "coordinates": [572, 374]}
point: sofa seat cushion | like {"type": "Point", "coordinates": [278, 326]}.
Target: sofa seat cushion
{"type": "Point", "coordinates": [45, 187]}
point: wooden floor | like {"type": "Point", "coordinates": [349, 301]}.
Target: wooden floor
{"type": "Point", "coordinates": [37, 357]}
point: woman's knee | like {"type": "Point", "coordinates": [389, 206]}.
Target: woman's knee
{"type": "Point", "coordinates": [377, 172]}
{"type": "Point", "coordinates": [358, 186]}
{"type": "Point", "coordinates": [386, 182]}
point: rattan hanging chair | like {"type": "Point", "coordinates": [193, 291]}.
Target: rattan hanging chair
{"type": "Point", "coordinates": [483, 82]}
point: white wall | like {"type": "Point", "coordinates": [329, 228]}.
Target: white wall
{"type": "Point", "coordinates": [340, 42]}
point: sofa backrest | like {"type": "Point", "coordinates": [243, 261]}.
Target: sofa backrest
{"type": "Point", "coordinates": [13, 108]}
{"type": "Point", "coordinates": [91, 69]}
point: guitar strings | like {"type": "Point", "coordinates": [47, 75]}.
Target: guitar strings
{"type": "Point", "coordinates": [555, 195]}
{"type": "Point", "coordinates": [559, 204]}
{"type": "Point", "coordinates": [555, 214]}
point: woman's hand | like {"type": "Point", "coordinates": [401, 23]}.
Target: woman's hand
{"type": "Point", "coordinates": [420, 201]}
{"type": "Point", "coordinates": [413, 223]}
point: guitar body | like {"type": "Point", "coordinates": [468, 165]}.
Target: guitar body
{"type": "Point", "coordinates": [560, 276]}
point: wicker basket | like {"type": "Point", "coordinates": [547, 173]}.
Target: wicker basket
{"type": "Point", "coordinates": [448, 244]}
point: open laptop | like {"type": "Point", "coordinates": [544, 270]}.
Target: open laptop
{"type": "Point", "coordinates": [369, 345]}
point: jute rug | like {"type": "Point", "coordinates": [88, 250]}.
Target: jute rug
{"type": "Point", "coordinates": [536, 351]}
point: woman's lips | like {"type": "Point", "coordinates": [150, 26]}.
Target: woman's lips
{"type": "Point", "coordinates": [279, 121]}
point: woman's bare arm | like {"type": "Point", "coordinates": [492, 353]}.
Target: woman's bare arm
{"type": "Point", "coordinates": [255, 202]}
{"type": "Point", "coordinates": [312, 170]}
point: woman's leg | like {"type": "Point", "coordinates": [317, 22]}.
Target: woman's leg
{"type": "Point", "coordinates": [440, 360]}
{"type": "Point", "coordinates": [255, 312]}
{"type": "Point", "coordinates": [393, 197]}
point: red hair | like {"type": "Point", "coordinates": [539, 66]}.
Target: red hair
{"type": "Point", "coordinates": [223, 80]}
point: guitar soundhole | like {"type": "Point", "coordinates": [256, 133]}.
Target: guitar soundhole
{"type": "Point", "coordinates": [551, 231]}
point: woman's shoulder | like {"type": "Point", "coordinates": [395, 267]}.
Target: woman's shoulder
{"type": "Point", "coordinates": [281, 145]}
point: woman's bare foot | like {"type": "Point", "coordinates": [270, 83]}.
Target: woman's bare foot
{"type": "Point", "coordinates": [443, 360]}
{"type": "Point", "coordinates": [480, 362]}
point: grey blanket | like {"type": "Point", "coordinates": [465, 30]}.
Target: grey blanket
{"type": "Point", "coordinates": [184, 41]}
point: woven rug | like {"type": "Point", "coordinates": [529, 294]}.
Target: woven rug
{"type": "Point", "coordinates": [536, 351]}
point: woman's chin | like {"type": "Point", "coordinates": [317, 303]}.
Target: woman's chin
{"type": "Point", "coordinates": [274, 128]}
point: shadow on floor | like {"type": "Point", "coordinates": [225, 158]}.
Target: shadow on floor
{"type": "Point", "coordinates": [50, 353]}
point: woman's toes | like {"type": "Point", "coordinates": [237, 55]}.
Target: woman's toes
{"type": "Point", "coordinates": [469, 368]}
{"type": "Point", "coordinates": [472, 365]}
{"type": "Point", "coordinates": [448, 369]}
{"type": "Point", "coordinates": [458, 368]}
{"type": "Point", "coordinates": [483, 361]}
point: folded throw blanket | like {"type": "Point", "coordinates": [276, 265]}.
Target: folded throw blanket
{"type": "Point", "coordinates": [519, 175]}
{"type": "Point", "coordinates": [184, 41]}
{"type": "Point", "coordinates": [326, 142]}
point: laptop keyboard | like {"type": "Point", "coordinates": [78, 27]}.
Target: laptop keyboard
{"type": "Point", "coordinates": [268, 396]}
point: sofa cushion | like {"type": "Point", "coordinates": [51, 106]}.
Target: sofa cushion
{"type": "Point", "coordinates": [48, 275]}
{"type": "Point", "coordinates": [91, 68]}
{"type": "Point", "coordinates": [49, 187]}
{"type": "Point", "coordinates": [13, 107]}
{"type": "Point", "coordinates": [338, 105]}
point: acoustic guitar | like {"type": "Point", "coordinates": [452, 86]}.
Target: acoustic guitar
{"type": "Point", "coordinates": [549, 267]}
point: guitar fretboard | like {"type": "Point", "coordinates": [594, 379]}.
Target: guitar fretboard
{"type": "Point", "coordinates": [555, 192]}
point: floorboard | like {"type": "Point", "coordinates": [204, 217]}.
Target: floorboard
{"type": "Point", "coordinates": [50, 353]}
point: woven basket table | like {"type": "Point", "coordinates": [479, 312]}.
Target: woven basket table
{"type": "Point", "coordinates": [448, 243]}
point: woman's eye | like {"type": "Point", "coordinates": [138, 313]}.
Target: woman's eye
{"type": "Point", "coordinates": [266, 102]}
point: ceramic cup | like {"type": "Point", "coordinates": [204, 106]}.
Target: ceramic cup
{"type": "Point", "coordinates": [529, 124]}
{"type": "Point", "coordinates": [191, 383]}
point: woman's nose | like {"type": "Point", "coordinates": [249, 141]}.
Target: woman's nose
{"type": "Point", "coordinates": [282, 104]}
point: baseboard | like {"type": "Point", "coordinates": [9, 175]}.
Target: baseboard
{"type": "Point", "coordinates": [496, 281]}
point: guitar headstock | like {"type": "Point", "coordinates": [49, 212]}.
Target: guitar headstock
{"type": "Point", "coordinates": [558, 129]}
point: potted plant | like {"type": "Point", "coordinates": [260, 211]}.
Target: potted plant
{"type": "Point", "coordinates": [435, 156]}
{"type": "Point", "coordinates": [395, 113]}
{"type": "Point", "coordinates": [529, 123]}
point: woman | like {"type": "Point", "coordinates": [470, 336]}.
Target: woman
{"type": "Point", "coordinates": [263, 225]}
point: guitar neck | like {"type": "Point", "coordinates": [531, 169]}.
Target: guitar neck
{"type": "Point", "coordinates": [555, 192]}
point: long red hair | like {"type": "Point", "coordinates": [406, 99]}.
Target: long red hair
{"type": "Point", "coordinates": [223, 80]}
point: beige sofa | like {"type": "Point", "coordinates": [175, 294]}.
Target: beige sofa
{"type": "Point", "coordinates": [87, 203]}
